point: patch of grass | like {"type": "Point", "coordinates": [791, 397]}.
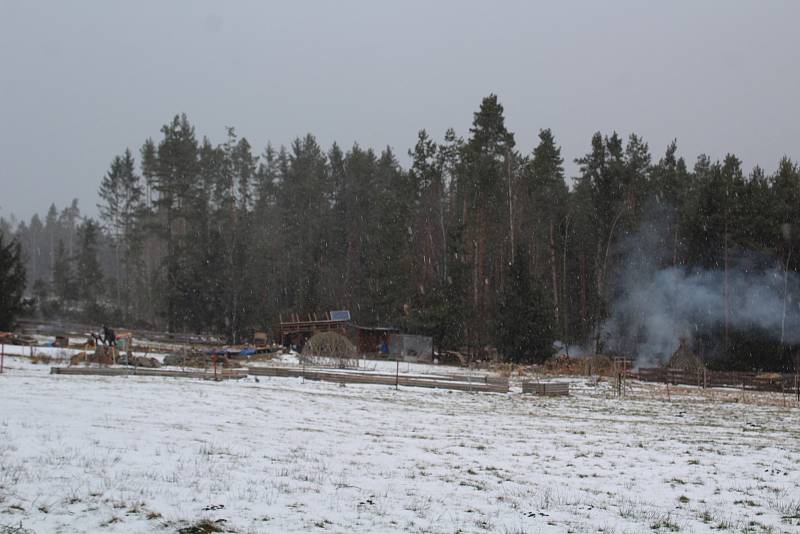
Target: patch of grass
{"type": "Point", "coordinates": [786, 507]}
{"type": "Point", "coordinates": [114, 519]}
{"type": "Point", "coordinates": [72, 499]}
{"type": "Point", "coordinates": [473, 484]}
{"type": "Point", "coordinates": [755, 526]}
{"type": "Point", "coordinates": [12, 529]}
{"type": "Point", "coordinates": [724, 524]}
{"type": "Point", "coordinates": [683, 499]}
{"type": "Point", "coordinates": [204, 526]}
{"type": "Point", "coordinates": [665, 523]}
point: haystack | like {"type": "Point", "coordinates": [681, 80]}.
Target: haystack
{"type": "Point", "coordinates": [330, 348]}
{"type": "Point", "coordinates": [683, 358]}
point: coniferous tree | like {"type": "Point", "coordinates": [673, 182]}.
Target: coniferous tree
{"type": "Point", "coordinates": [671, 182]}
{"type": "Point", "coordinates": [542, 215]}
{"type": "Point", "coordinates": [175, 182]}
{"type": "Point", "coordinates": [88, 274]}
{"type": "Point", "coordinates": [12, 281]}
{"type": "Point", "coordinates": [51, 231]}
{"type": "Point", "coordinates": [121, 194]}
{"type": "Point", "coordinates": [483, 192]}
{"type": "Point", "coordinates": [522, 319]}
{"type": "Point", "coordinates": [63, 275]}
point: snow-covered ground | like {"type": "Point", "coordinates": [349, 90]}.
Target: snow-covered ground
{"type": "Point", "coordinates": [134, 454]}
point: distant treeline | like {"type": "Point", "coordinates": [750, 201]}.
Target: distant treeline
{"type": "Point", "coordinates": [479, 243]}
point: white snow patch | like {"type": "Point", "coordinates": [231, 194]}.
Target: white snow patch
{"type": "Point", "coordinates": [135, 454]}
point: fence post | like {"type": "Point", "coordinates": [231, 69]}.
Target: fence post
{"type": "Point", "coordinates": [397, 376]}
{"type": "Point", "coordinates": [744, 378]}
{"type": "Point", "coordinates": [2, 355]}
{"type": "Point", "coordinates": [705, 379]}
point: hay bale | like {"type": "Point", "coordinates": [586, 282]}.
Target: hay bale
{"type": "Point", "coordinates": [684, 359]}
{"type": "Point", "coordinates": [330, 349]}
{"type": "Point", "coordinates": [143, 361]}
{"type": "Point", "coordinates": [77, 358]}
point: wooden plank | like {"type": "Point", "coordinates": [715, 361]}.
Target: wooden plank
{"type": "Point", "coordinates": [127, 371]}
{"type": "Point", "coordinates": [381, 379]}
{"type": "Point", "coordinates": [293, 371]}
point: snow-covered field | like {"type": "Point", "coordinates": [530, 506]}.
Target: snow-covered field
{"type": "Point", "coordinates": [103, 454]}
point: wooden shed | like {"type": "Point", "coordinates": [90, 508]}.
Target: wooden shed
{"type": "Point", "coordinates": [374, 339]}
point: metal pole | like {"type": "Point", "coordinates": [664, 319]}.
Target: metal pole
{"type": "Point", "coordinates": [397, 377]}
{"type": "Point", "coordinates": [2, 355]}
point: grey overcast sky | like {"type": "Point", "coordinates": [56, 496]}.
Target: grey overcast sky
{"type": "Point", "coordinates": [82, 80]}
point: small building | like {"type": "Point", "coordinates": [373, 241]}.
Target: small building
{"type": "Point", "coordinates": [411, 348]}
{"type": "Point", "coordinates": [374, 339]}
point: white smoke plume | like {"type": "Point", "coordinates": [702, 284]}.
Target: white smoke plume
{"type": "Point", "coordinates": [652, 308]}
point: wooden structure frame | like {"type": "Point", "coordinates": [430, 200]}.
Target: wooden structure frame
{"type": "Point", "coordinates": [298, 328]}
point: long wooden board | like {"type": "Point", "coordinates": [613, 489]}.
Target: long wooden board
{"type": "Point", "coordinates": [439, 382]}
{"type": "Point", "coordinates": [225, 374]}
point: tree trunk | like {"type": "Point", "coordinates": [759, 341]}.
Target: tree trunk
{"type": "Point", "coordinates": [584, 296]}
{"type": "Point", "coordinates": [785, 293]}
{"type": "Point", "coordinates": [725, 289]}
{"type": "Point", "coordinates": [554, 272]}
{"type": "Point", "coordinates": [564, 286]}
